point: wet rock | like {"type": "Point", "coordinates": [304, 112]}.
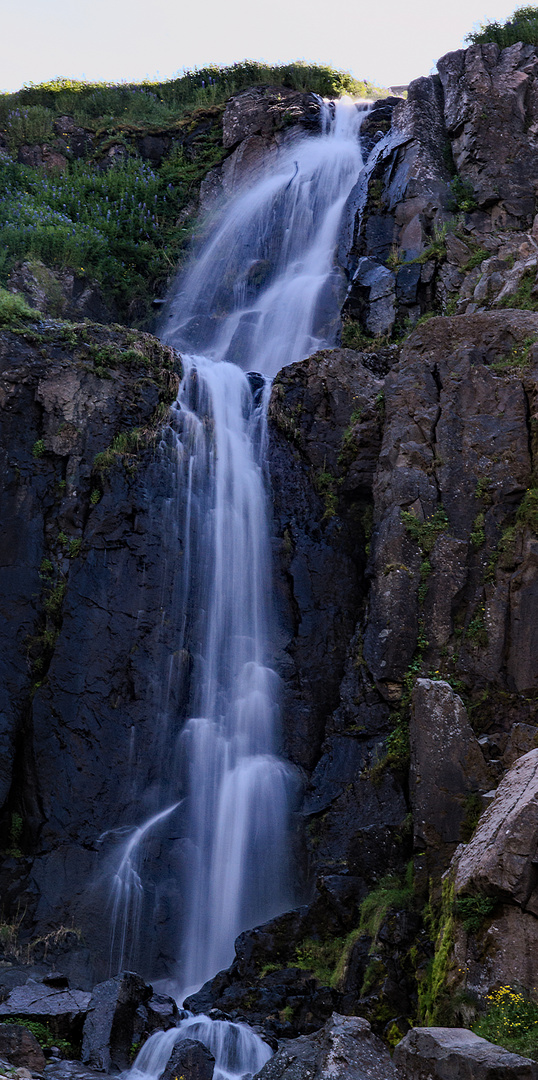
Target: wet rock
{"type": "Point", "coordinates": [455, 1054]}
{"type": "Point", "coordinates": [501, 858]}
{"type": "Point", "coordinates": [58, 1069]}
{"type": "Point", "coordinates": [20, 1047]}
{"type": "Point", "coordinates": [344, 1049]}
{"type": "Point", "coordinates": [324, 438]}
{"type": "Point", "coordinates": [58, 411]}
{"type": "Point", "coordinates": [447, 769]}
{"type": "Point", "coordinates": [114, 1021]}
{"type": "Point", "coordinates": [191, 1060]}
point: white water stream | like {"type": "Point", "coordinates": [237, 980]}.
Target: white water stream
{"type": "Point", "coordinates": [262, 293]}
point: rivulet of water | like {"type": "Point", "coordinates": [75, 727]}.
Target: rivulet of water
{"type": "Point", "coordinates": [262, 293]}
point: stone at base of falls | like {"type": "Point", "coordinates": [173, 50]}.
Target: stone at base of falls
{"type": "Point", "coordinates": [59, 1069]}
{"type": "Point", "coordinates": [62, 1009]}
{"type": "Point", "coordinates": [191, 1060]}
{"type": "Point", "coordinates": [119, 1014]}
{"type": "Point", "coordinates": [455, 1054]}
{"type": "Point", "coordinates": [20, 1047]}
{"type": "Point", "coordinates": [344, 1049]}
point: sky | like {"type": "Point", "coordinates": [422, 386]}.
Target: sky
{"type": "Point", "coordinates": [130, 40]}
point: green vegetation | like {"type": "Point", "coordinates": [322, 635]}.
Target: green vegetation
{"type": "Point", "coordinates": [518, 360]}
{"type": "Point", "coordinates": [476, 632]}
{"type": "Point", "coordinates": [425, 532]}
{"type": "Point", "coordinates": [522, 298]}
{"type": "Point", "coordinates": [29, 112]}
{"type": "Point", "coordinates": [320, 957]}
{"type": "Point", "coordinates": [522, 26]}
{"type": "Point", "coordinates": [461, 196]}
{"type": "Point", "coordinates": [472, 910]}
{"type": "Point", "coordinates": [433, 992]}
{"type": "Point", "coordinates": [510, 1020]}
{"type": "Point", "coordinates": [118, 226]}
{"type": "Point", "coordinates": [327, 486]}
{"type": "Point", "coordinates": [45, 1037]}
{"type": "Point", "coordinates": [391, 892]}
{"type": "Point", "coordinates": [13, 308]}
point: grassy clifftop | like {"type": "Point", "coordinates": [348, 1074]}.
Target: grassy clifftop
{"type": "Point", "coordinates": [103, 179]}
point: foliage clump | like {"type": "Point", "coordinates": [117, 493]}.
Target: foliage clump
{"type": "Point", "coordinates": [510, 1020]}
{"type": "Point", "coordinates": [521, 26]}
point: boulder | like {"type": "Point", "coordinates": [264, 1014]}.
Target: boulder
{"type": "Point", "coordinates": [63, 1010]}
{"type": "Point", "coordinates": [447, 766]}
{"type": "Point", "coordinates": [344, 1049]}
{"type": "Point", "coordinates": [20, 1047]}
{"type": "Point", "coordinates": [502, 858]}
{"type": "Point", "coordinates": [115, 1021]}
{"type": "Point", "coordinates": [190, 1060]}
{"type": "Point", "coordinates": [438, 1053]}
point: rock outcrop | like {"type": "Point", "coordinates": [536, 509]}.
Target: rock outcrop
{"type": "Point", "coordinates": [344, 1049]}
{"type": "Point", "coordinates": [455, 1054]}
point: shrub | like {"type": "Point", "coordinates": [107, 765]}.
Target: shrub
{"type": "Point", "coordinates": [522, 26]}
{"type": "Point", "coordinates": [510, 1020]}
{"type": "Point", "coordinates": [14, 309]}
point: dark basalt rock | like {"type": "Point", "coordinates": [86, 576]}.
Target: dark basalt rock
{"type": "Point", "coordinates": [344, 1049]}
{"type": "Point", "coordinates": [191, 1060]}
{"type": "Point", "coordinates": [115, 1021]}
{"type": "Point", "coordinates": [63, 1010]}
{"type": "Point", "coordinates": [21, 1048]}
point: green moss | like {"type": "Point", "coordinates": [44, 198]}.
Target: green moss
{"type": "Point", "coordinates": [477, 535]}
{"type": "Point", "coordinates": [424, 533]}
{"type": "Point", "coordinates": [391, 892]}
{"type": "Point", "coordinates": [320, 957]}
{"type": "Point", "coordinates": [476, 632]}
{"type": "Point", "coordinates": [433, 992]}
{"type": "Point", "coordinates": [44, 1035]}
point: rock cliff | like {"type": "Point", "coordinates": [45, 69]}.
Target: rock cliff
{"type": "Point", "coordinates": [403, 473]}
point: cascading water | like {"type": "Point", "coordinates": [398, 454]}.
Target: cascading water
{"type": "Point", "coordinates": [265, 290]}
{"type": "Point", "coordinates": [263, 293]}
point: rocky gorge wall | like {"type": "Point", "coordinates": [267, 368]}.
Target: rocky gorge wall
{"type": "Point", "coordinates": [405, 537]}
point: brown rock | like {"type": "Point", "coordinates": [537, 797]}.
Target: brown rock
{"type": "Point", "coordinates": [262, 110]}
{"type": "Point", "coordinates": [502, 858]}
{"type": "Point", "coordinates": [20, 1047]}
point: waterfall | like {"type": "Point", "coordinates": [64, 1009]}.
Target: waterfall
{"type": "Point", "coordinates": [265, 290]}
{"type": "Point", "coordinates": [262, 293]}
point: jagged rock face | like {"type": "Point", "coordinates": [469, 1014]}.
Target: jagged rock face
{"type": "Point", "coordinates": [491, 115]}
{"type": "Point", "coordinates": [500, 860]}
{"type": "Point", "coordinates": [447, 769]}
{"type": "Point", "coordinates": [444, 211]}
{"type": "Point", "coordinates": [255, 125]}
{"type": "Point", "coordinates": [83, 563]}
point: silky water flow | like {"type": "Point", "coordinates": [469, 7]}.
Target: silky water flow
{"type": "Point", "coordinates": [263, 292]}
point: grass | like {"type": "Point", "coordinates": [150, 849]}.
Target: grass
{"type": "Point", "coordinates": [98, 105]}
{"type": "Point", "coordinates": [391, 892]}
{"type": "Point", "coordinates": [14, 310]}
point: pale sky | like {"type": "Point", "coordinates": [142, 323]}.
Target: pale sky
{"type": "Point", "coordinates": [389, 43]}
